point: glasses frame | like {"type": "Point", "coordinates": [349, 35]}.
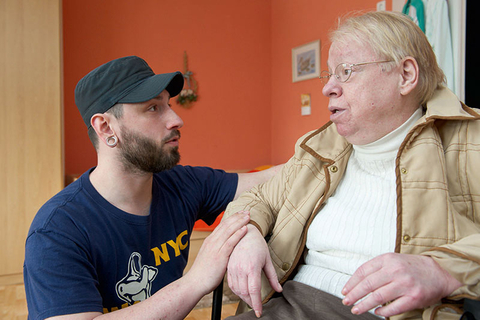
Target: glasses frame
{"type": "Point", "coordinates": [325, 75]}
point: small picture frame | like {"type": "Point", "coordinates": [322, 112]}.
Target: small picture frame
{"type": "Point", "coordinates": [306, 61]}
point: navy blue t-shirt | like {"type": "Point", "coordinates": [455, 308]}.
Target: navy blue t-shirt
{"type": "Point", "coordinates": [83, 254]}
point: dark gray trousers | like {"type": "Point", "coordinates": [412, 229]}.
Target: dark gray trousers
{"type": "Point", "coordinates": [299, 301]}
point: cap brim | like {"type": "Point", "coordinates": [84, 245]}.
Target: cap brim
{"type": "Point", "coordinates": [153, 86]}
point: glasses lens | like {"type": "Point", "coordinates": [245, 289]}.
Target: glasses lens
{"type": "Point", "coordinates": [343, 72]}
{"type": "Point", "coordinates": [325, 76]}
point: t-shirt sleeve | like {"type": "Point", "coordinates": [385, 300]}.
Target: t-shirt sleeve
{"type": "Point", "coordinates": [213, 188]}
{"type": "Point", "coordinates": [55, 264]}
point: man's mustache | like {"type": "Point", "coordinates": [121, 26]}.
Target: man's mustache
{"type": "Point", "coordinates": [175, 134]}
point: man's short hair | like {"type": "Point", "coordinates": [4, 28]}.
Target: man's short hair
{"type": "Point", "coordinates": [394, 36]}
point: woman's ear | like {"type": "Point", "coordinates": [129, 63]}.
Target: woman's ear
{"type": "Point", "coordinates": [101, 123]}
{"type": "Point", "coordinates": [409, 75]}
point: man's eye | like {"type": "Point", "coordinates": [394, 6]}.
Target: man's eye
{"type": "Point", "coordinates": [152, 108]}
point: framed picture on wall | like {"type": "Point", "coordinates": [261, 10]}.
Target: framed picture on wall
{"type": "Point", "coordinates": [306, 61]}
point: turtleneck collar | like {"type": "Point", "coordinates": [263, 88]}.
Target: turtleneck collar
{"type": "Point", "coordinates": [387, 146]}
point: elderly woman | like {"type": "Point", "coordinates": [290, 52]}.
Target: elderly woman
{"type": "Point", "coordinates": [378, 212]}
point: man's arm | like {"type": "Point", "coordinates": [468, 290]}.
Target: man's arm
{"type": "Point", "coordinates": [246, 181]}
{"type": "Point", "coordinates": [178, 298]}
{"type": "Point", "coordinates": [245, 266]}
{"type": "Point", "coordinates": [251, 256]}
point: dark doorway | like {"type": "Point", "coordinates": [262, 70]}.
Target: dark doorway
{"type": "Point", "coordinates": [472, 54]}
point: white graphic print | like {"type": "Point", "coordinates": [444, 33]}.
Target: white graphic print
{"type": "Point", "coordinates": [137, 284]}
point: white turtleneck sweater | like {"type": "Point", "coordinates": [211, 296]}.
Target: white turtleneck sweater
{"type": "Point", "coordinates": [358, 222]}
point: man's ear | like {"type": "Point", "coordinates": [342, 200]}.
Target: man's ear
{"type": "Point", "coordinates": [408, 75]}
{"type": "Point", "coordinates": [101, 123]}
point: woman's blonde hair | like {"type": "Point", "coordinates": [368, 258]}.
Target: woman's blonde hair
{"type": "Point", "coordinates": [394, 36]}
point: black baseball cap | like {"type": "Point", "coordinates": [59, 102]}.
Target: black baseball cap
{"type": "Point", "coordinates": [124, 80]}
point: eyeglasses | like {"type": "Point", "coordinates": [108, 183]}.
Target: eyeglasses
{"type": "Point", "coordinates": [344, 70]}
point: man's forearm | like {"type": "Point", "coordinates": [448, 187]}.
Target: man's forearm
{"type": "Point", "coordinates": [246, 181]}
{"type": "Point", "coordinates": [172, 302]}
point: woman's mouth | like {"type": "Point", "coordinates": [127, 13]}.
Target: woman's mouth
{"type": "Point", "coordinates": [335, 113]}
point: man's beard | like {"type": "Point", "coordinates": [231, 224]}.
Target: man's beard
{"type": "Point", "coordinates": [142, 154]}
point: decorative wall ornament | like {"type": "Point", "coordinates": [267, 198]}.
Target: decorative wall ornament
{"type": "Point", "coordinates": [188, 95]}
{"type": "Point", "coordinates": [306, 61]}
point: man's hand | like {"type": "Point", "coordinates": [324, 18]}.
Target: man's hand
{"type": "Point", "coordinates": [409, 281]}
{"type": "Point", "coordinates": [210, 264]}
{"type": "Point", "coordinates": [247, 261]}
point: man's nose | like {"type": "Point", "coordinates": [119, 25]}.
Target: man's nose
{"type": "Point", "coordinates": [174, 121]}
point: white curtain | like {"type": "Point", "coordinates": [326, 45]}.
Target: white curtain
{"type": "Point", "coordinates": [437, 29]}
{"type": "Point", "coordinates": [448, 46]}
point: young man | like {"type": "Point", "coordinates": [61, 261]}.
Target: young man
{"type": "Point", "coordinates": [118, 236]}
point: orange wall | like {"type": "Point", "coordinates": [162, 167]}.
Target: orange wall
{"type": "Point", "coordinates": [228, 47]}
{"type": "Point", "coordinates": [248, 112]}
